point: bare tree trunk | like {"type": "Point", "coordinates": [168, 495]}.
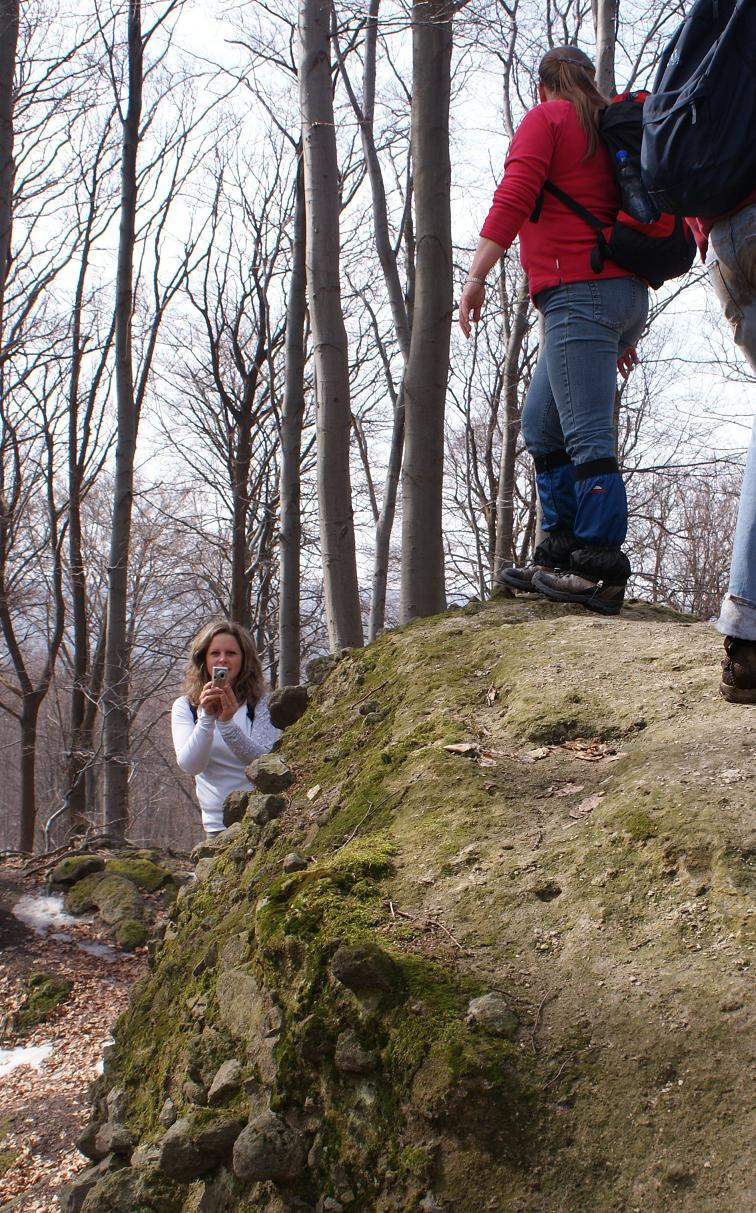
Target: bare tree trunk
{"type": "Point", "coordinates": [605, 13]}
{"type": "Point", "coordinates": [425, 381]}
{"type": "Point", "coordinates": [117, 656]}
{"type": "Point", "coordinates": [510, 429]}
{"type": "Point", "coordinates": [8, 41]}
{"type": "Point", "coordinates": [289, 616]}
{"type": "Point", "coordinates": [329, 333]}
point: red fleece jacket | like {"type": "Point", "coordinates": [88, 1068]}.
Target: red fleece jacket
{"type": "Point", "coordinates": [550, 144]}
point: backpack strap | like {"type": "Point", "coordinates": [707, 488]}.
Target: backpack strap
{"type": "Point", "coordinates": [598, 253]}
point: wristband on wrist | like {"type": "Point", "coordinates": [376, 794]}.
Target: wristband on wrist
{"type": "Point", "coordinates": [474, 278]}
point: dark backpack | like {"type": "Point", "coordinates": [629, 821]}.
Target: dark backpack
{"type": "Point", "coordinates": [654, 251]}
{"type": "Point", "coordinates": [193, 710]}
{"type": "Point", "coordinates": [699, 123]}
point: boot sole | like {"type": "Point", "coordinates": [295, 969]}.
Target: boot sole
{"type": "Point", "coordinates": [512, 584]}
{"type": "Point", "coordinates": [592, 603]}
{"type": "Point", "coordinates": [737, 694]}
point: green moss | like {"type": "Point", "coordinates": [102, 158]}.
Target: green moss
{"type": "Point", "coordinates": [45, 992]}
{"type": "Point", "coordinates": [79, 899]}
{"type": "Point", "coordinates": [142, 872]}
{"type": "Point", "coordinates": [130, 934]}
{"type": "Point", "coordinates": [7, 1159]}
{"type": "Point", "coordinates": [640, 827]}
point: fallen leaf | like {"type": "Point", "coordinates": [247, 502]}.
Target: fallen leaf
{"type": "Point", "coordinates": [535, 755]}
{"type": "Point", "coordinates": [468, 749]}
{"type": "Point", "coordinates": [587, 806]}
{"type": "Point", "coordinates": [313, 792]}
{"type": "Point", "coordinates": [570, 789]}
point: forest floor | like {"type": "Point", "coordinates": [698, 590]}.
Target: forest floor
{"type": "Point", "coordinates": [43, 1100]}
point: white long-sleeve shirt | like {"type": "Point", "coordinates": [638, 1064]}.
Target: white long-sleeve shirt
{"type": "Point", "coordinates": [216, 753]}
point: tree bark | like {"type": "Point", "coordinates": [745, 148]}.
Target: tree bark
{"type": "Point", "coordinates": [329, 333]}
{"type": "Point", "coordinates": [510, 430]}
{"type": "Point", "coordinates": [8, 41]}
{"type": "Point", "coordinates": [289, 609]}
{"type": "Point", "coordinates": [605, 16]}
{"type": "Point", "coordinates": [425, 381]}
{"type": "Point", "coordinates": [117, 655]}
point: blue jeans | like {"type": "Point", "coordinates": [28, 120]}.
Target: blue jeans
{"type": "Point", "coordinates": [568, 415]}
{"type": "Point", "coordinates": [732, 269]}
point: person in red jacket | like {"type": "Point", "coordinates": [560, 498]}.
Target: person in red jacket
{"type": "Point", "coordinates": [591, 320]}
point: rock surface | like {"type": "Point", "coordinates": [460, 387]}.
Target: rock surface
{"type": "Point", "coordinates": [526, 909]}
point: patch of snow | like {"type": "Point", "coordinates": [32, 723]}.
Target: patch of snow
{"type": "Point", "coordinates": [40, 912]}
{"type": "Point", "coordinates": [100, 950]}
{"type": "Point", "coordinates": [32, 1055]}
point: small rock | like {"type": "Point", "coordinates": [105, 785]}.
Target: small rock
{"type": "Point", "coordinates": [118, 1104]}
{"type": "Point", "coordinates": [287, 704]}
{"type": "Point", "coordinates": [269, 774]}
{"type": "Point", "coordinates": [188, 1151]}
{"type": "Point", "coordinates": [294, 862]}
{"type": "Point", "coordinates": [366, 968]}
{"type": "Point", "coordinates": [234, 807]}
{"type": "Point", "coordinates": [130, 934]}
{"type": "Point", "coordinates": [208, 961]}
{"type": "Point", "coordinates": [197, 1005]}
{"type": "Point", "coordinates": [130, 1189]}
{"type": "Point", "coordinates": [113, 1138]}
{"type": "Point", "coordinates": [373, 718]}
{"type": "Point", "coordinates": [492, 1014]}
{"type": "Point", "coordinates": [351, 1058]}
{"type": "Point", "coordinates": [145, 1156]}
{"type": "Point", "coordinates": [71, 1197]}
{"type": "Point", "coordinates": [167, 1116]}
{"type": "Point", "coordinates": [226, 1082]}
{"type": "Point", "coordinates": [319, 668]}
{"type": "Point", "coordinates": [268, 1149]}
{"type": "Point", "coordinates": [194, 1092]}
{"type": "Point", "coordinates": [370, 705]}
{"type": "Point", "coordinates": [329, 1204]}
{"type": "Point", "coordinates": [263, 809]}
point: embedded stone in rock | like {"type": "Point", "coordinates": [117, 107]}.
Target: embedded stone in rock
{"type": "Point", "coordinates": [167, 1115]}
{"type": "Point", "coordinates": [226, 1082]}
{"type": "Point", "coordinates": [370, 705]}
{"type": "Point", "coordinates": [492, 1013]}
{"type": "Point", "coordinates": [113, 1138]}
{"type": "Point", "coordinates": [212, 847]}
{"type": "Point", "coordinates": [194, 1092]}
{"type": "Point", "coordinates": [366, 968]}
{"type": "Point", "coordinates": [73, 868]}
{"type": "Point", "coordinates": [131, 1189]}
{"type": "Point", "coordinates": [287, 704]}
{"type": "Point", "coordinates": [268, 1149]}
{"type": "Point", "coordinates": [234, 807]}
{"type": "Point", "coordinates": [269, 774]}
{"type": "Point", "coordinates": [351, 1058]}
{"type": "Point", "coordinates": [263, 809]}
{"type": "Point", "coordinates": [319, 668]}
{"type": "Point", "coordinates": [294, 862]}
{"type": "Point", "coordinates": [71, 1197]}
{"type": "Point", "coordinates": [249, 1013]}
{"type": "Point", "coordinates": [117, 1102]}
{"type": "Point", "coordinates": [190, 1150]}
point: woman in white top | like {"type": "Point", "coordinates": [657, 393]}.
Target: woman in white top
{"type": "Point", "coordinates": [219, 729]}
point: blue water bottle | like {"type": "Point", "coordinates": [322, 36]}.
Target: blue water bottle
{"type": "Point", "coordinates": [635, 199]}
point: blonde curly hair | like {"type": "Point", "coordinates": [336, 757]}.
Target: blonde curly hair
{"type": "Point", "coordinates": [249, 686]}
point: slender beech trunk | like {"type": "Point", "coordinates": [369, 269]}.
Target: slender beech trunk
{"type": "Point", "coordinates": [290, 538]}
{"type": "Point", "coordinates": [510, 429]}
{"type": "Point", "coordinates": [425, 381]}
{"type": "Point", "coordinates": [117, 655]}
{"type": "Point", "coordinates": [605, 13]}
{"type": "Point", "coordinates": [8, 41]}
{"type": "Point", "coordinates": [329, 333]}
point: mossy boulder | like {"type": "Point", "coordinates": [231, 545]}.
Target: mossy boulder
{"type": "Point", "coordinates": [134, 1190]}
{"type": "Point", "coordinates": [130, 934]}
{"type": "Point", "coordinates": [194, 1146]}
{"type": "Point", "coordinates": [79, 898]}
{"type": "Point", "coordinates": [45, 992]}
{"type": "Point", "coordinates": [74, 868]}
{"type": "Point", "coordinates": [117, 900]}
{"type": "Point", "coordinates": [144, 873]}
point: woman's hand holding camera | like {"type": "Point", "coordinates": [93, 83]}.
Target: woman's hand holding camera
{"type": "Point", "coordinates": [219, 701]}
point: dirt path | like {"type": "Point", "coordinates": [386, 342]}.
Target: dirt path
{"type": "Point", "coordinates": [43, 1110]}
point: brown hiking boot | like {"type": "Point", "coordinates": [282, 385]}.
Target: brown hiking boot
{"type": "Point", "coordinates": [738, 683]}
{"type": "Point", "coordinates": [572, 587]}
{"type": "Point", "coordinates": [521, 578]}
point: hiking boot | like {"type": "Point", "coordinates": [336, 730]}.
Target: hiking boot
{"type": "Point", "coordinates": [551, 553]}
{"type": "Point", "coordinates": [572, 587]}
{"type": "Point", "coordinates": [738, 683]}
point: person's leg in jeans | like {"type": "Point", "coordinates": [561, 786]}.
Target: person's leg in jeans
{"type": "Point", "coordinates": [732, 270]}
{"type": "Point", "coordinates": [588, 325]}
{"type": "Point", "coordinates": [555, 481]}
